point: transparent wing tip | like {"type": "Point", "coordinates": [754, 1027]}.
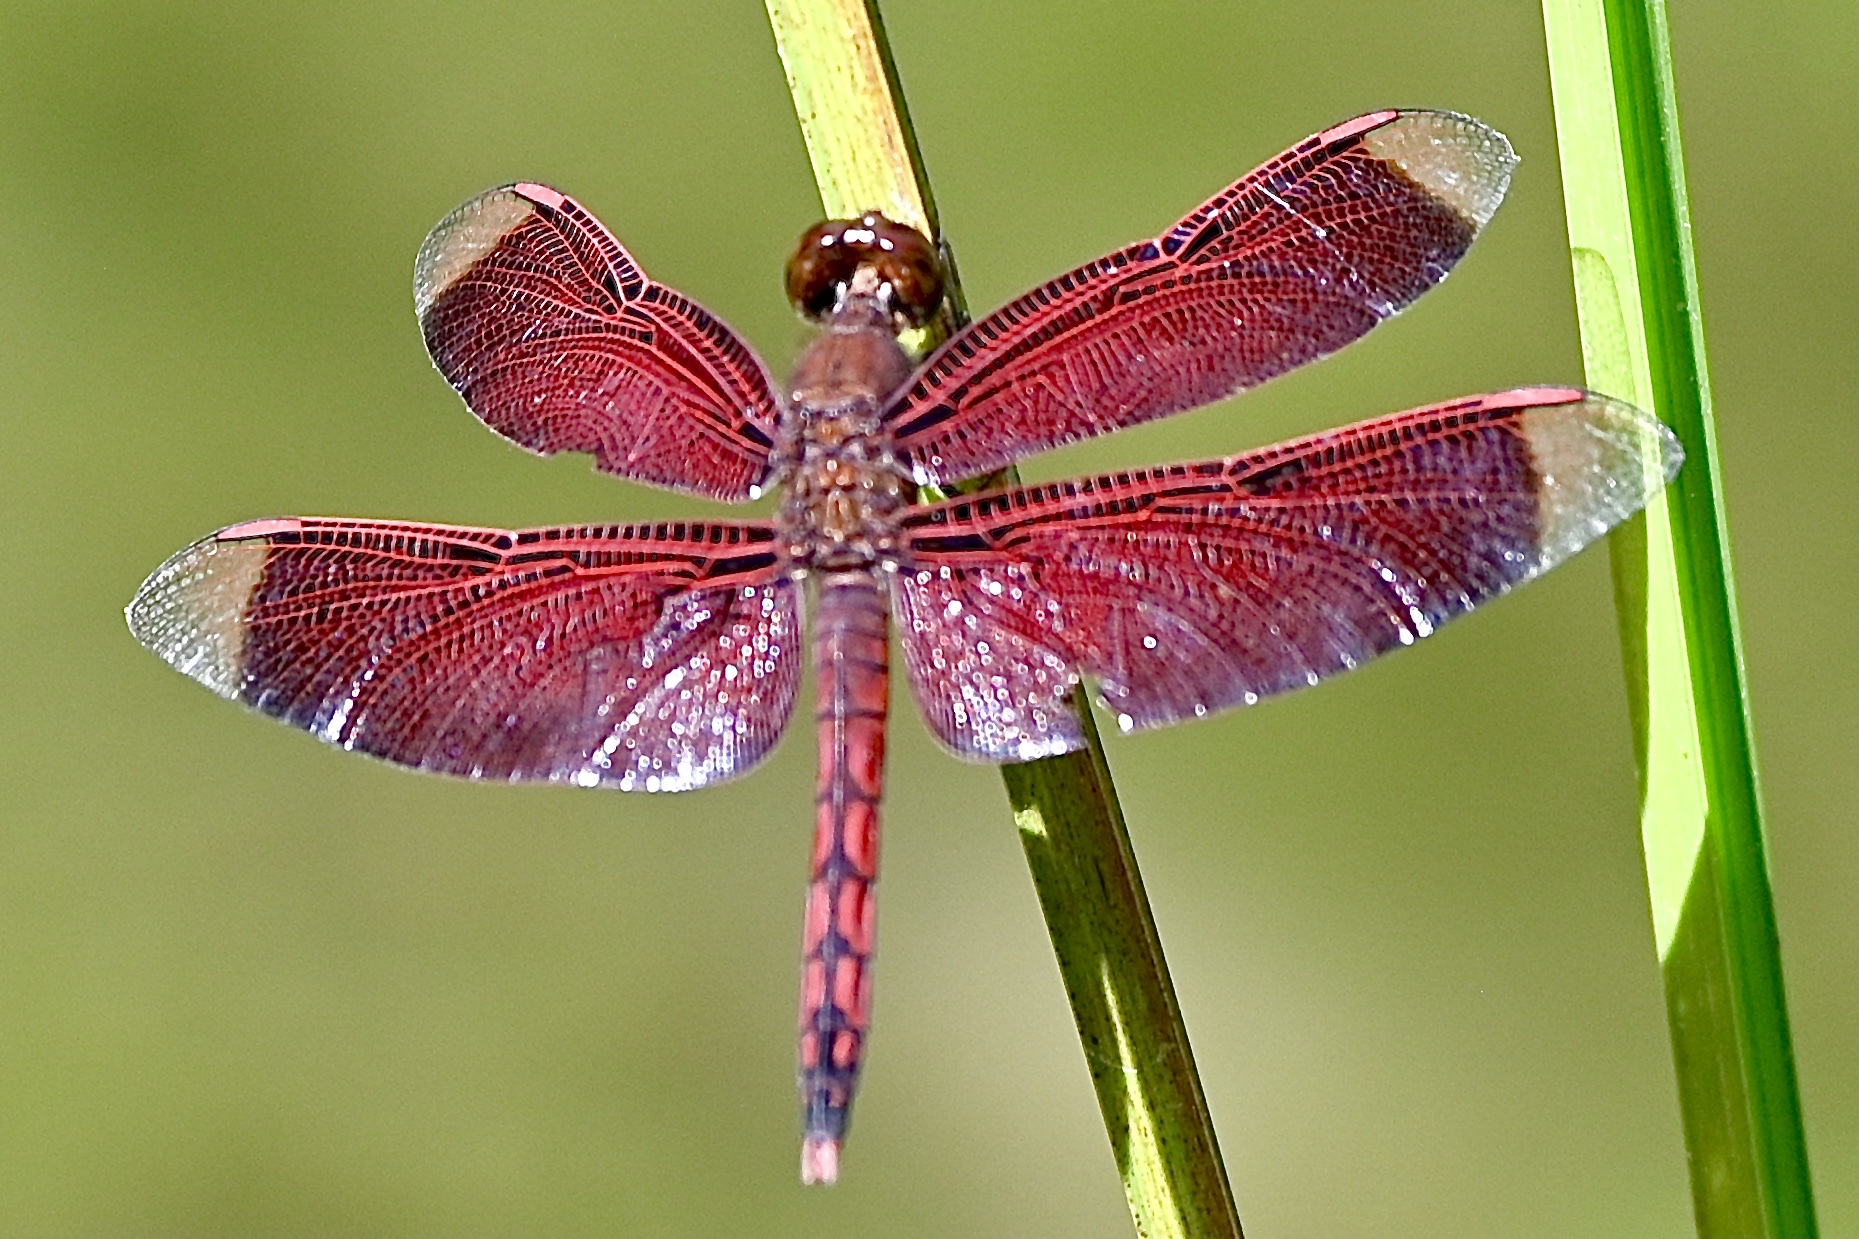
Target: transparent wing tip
{"type": "Point", "coordinates": [1463, 162]}
{"type": "Point", "coordinates": [191, 610]}
{"type": "Point", "coordinates": [461, 239]}
{"type": "Point", "coordinates": [1598, 460]}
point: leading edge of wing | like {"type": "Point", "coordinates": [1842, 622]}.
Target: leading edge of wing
{"type": "Point", "coordinates": [645, 657]}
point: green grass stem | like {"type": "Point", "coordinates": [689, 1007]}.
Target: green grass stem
{"type": "Point", "coordinates": [865, 158]}
{"type": "Point", "coordinates": [1643, 339]}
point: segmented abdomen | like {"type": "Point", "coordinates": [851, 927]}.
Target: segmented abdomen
{"type": "Point", "coordinates": [852, 678]}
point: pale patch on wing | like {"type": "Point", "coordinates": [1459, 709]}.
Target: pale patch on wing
{"type": "Point", "coordinates": [718, 711]}
{"type": "Point", "coordinates": [263, 528]}
{"type": "Point", "coordinates": [1465, 164]}
{"type": "Point", "coordinates": [459, 240]}
{"type": "Point", "coordinates": [1598, 461]}
{"type": "Point", "coordinates": [988, 690]}
{"type": "Point", "coordinates": [191, 612]}
{"type": "Point", "coordinates": [541, 193]}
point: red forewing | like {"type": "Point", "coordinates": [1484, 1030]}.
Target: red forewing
{"type": "Point", "coordinates": [1193, 587]}
{"type": "Point", "coordinates": [557, 340]}
{"type": "Point", "coordinates": [1289, 263]}
{"type": "Point", "coordinates": [654, 657]}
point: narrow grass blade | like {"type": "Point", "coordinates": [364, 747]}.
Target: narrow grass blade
{"type": "Point", "coordinates": [1642, 338]}
{"type": "Point", "coordinates": [865, 158]}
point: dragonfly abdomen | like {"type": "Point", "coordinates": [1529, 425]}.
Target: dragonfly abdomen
{"type": "Point", "coordinates": [852, 680]}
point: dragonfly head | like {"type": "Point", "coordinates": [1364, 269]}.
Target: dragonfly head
{"type": "Point", "coordinates": [898, 261]}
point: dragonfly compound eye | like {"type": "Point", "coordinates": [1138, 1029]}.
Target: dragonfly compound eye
{"type": "Point", "coordinates": [828, 255]}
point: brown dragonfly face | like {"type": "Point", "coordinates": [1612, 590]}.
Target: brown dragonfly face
{"type": "Point", "coordinates": [666, 656]}
{"type": "Point", "coordinates": [874, 253]}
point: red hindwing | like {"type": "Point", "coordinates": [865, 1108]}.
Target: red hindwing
{"type": "Point", "coordinates": [1190, 588]}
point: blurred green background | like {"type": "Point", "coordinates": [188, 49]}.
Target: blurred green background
{"type": "Point", "coordinates": [251, 984]}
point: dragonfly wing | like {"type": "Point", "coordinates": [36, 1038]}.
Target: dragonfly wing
{"type": "Point", "coordinates": [657, 657]}
{"type": "Point", "coordinates": [1288, 264]}
{"type": "Point", "coordinates": [986, 655]}
{"type": "Point", "coordinates": [1190, 588]}
{"type": "Point", "coordinates": [558, 341]}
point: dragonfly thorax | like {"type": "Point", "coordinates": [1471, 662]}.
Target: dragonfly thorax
{"type": "Point", "coordinates": [840, 506]}
{"type": "Point", "coordinates": [844, 480]}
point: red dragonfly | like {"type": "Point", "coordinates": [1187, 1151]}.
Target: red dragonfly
{"type": "Point", "coordinates": [666, 656]}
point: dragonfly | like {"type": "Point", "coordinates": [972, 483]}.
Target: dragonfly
{"type": "Point", "coordinates": [667, 656]}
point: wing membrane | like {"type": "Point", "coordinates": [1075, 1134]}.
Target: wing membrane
{"type": "Point", "coordinates": [557, 340]}
{"type": "Point", "coordinates": [1195, 587]}
{"type": "Point", "coordinates": [1288, 264]}
{"type": "Point", "coordinates": [657, 657]}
